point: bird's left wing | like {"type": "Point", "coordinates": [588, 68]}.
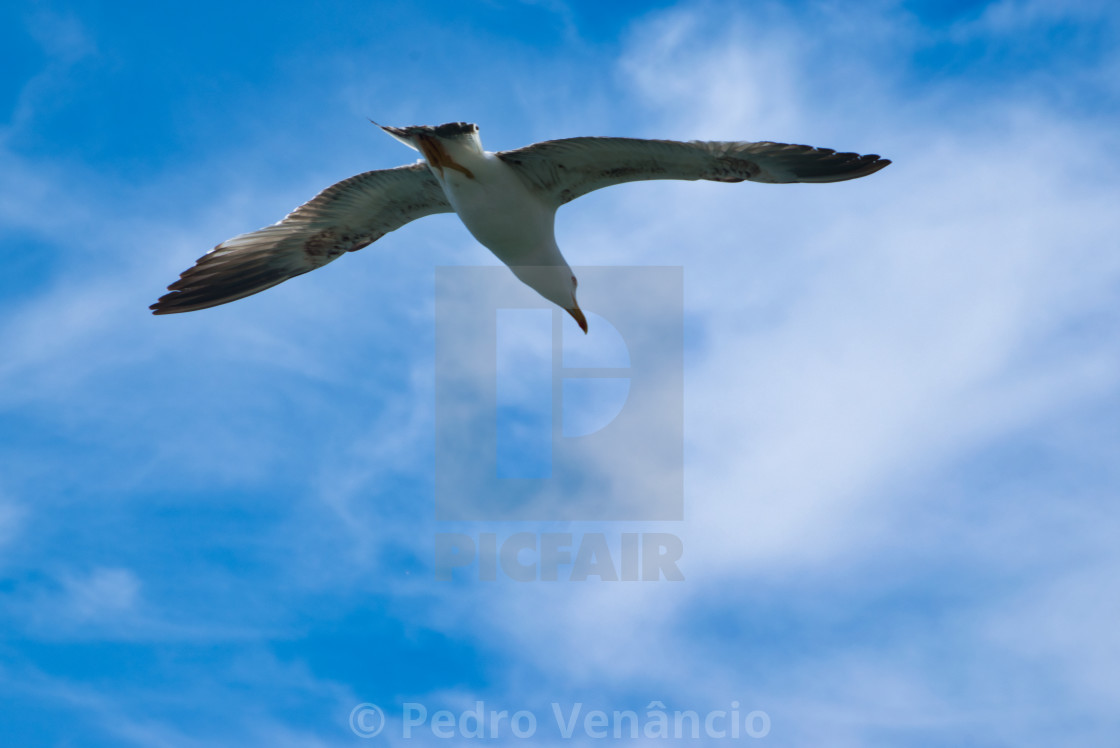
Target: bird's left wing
{"type": "Point", "coordinates": [342, 218]}
{"type": "Point", "coordinates": [562, 170]}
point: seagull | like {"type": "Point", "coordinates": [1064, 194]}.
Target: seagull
{"type": "Point", "coordinates": [507, 200]}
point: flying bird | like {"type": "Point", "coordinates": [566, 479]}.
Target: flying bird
{"type": "Point", "coordinates": [507, 200]}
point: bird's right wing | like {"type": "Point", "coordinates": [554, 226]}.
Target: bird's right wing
{"type": "Point", "coordinates": [562, 170]}
{"type": "Point", "coordinates": [342, 218]}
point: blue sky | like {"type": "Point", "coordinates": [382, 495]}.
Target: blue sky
{"type": "Point", "coordinates": [901, 394]}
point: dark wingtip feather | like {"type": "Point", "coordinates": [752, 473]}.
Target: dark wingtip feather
{"type": "Point", "coordinates": [219, 278]}
{"type": "Point", "coordinates": [226, 289]}
{"type": "Point", "coordinates": [838, 167]}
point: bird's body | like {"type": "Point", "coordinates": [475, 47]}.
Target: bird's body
{"type": "Point", "coordinates": [507, 200]}
{"type": "Point", "coordinates": [521, 230]}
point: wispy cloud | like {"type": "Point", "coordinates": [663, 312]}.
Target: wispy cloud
{"type": "Point", "coordinates": [898, 394]}
{"type": "Point", "coordinates": [11, 520]}
{"type": "Point", "coordinates": [863, 341]}
{"type": "Point", "coordinates": [103, 593]}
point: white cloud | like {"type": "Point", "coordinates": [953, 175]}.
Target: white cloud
{"type": "Point", "coordinates": [696, 86]}
{"type": "Point", "coordinates": [104, 593]}
{"type": "Point", "coordinates": [858, 340]}
{"type": "Point", "coordinates": [853, 343]}
{"type": "Point", "coordinates": [12, 518]}
{"type": "Point", "coordinates": [65, 42]}
{"type": "Point", "coordinates": [1016, 16]}
{"type": "Point", "coordinates": [1065, 623]}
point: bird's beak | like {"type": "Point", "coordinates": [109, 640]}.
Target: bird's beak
{"type": "Point", "coordinates": [577, 315]}
{"type": "Point", "coordinates": [398, 134]}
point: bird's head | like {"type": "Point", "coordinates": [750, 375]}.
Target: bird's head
{"type": "Point", "coordinates": [556, 283]}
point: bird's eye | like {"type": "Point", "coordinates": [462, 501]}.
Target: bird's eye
{"type": "Point", "coordinates": [574, 282]}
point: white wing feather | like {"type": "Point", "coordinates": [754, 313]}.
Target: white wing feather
{"type": "Point", "coordinates": [562, 170]}
{"type": "Point", "coordinates": [342, 218]}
